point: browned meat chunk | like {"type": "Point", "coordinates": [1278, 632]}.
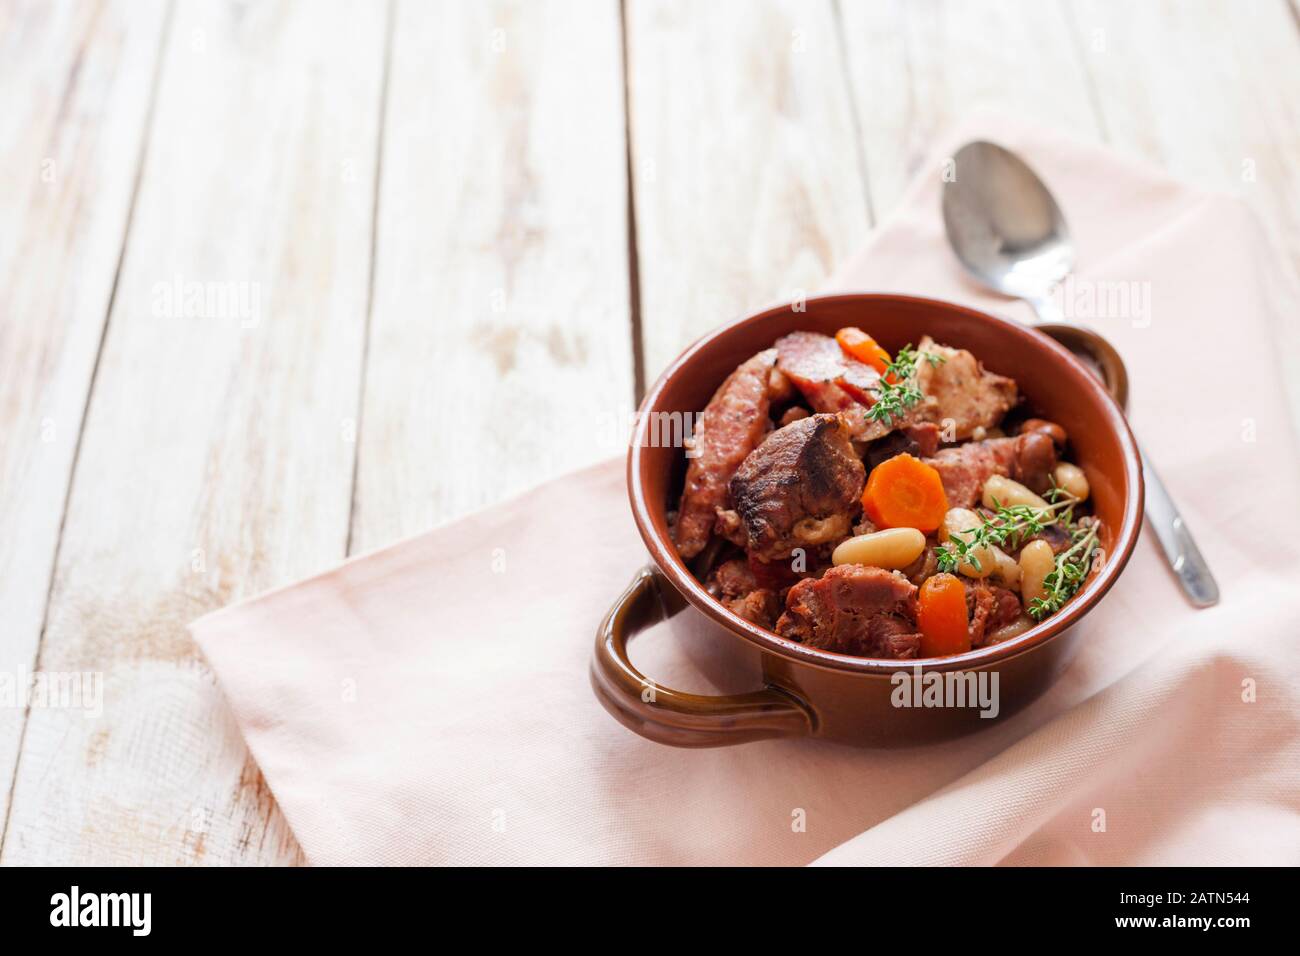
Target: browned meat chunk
{"type": "Point", "coordinates": [891, 637]}
{"type": "Point", "coordinates": [729, 428]}
{"type": "Point", "coordinates": [989, 608]}
{"type": "Point", "coordinates": [1028, 458]}
{"type": "Point", "coordinates": [779, 387]}
{"type": "Point", "coordinates": [925, 566]}
{"type": "Point", "coordinates": [1034, 460]}
{"type": "Point", "coordinates": [853, 609]}
{"type": "Point", "coordinates": [864, 526]}
{"type": "Point", "coordinates": [964, 469]}
{"type": "Point", "coordinates": [759, 607]}
{"type": "Point", "coordinates": [1050, 429]}
{"type": "Point", "coordinates": [920, 441]}
{"type": "Point", "coordinates": [732, 578]}
{"type": "Point", "coordinates": [793, 414]}
{"type": "Point", "coordinates": [735, 584]}
{"type": "Point", "coordinates": [959, 390]}
{"type": "Point", "coordinates": [730, 527]}
{"type": "Point", "coordinates": [830, 380]}
{"type": "Point", "coordinates": [1056, 537]}
{"type": "Point", "coordinates": [923, 436]}
{"type": "Point", "coordinates": [798, 489]}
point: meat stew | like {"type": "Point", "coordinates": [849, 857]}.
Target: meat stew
{"type": "Point", "coordinates": [902, 507]}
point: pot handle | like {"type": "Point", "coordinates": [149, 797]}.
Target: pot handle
{"type": "Point", "coordinates": [1109, 366]}
{"type": "Point", "coordinates": [669, 716]}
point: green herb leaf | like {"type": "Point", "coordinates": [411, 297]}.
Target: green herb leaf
{"type": "Point", "coordinates": [896, 390]}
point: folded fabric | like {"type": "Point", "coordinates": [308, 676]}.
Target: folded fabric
{"type": "Point", "coordinates": [429, 703]}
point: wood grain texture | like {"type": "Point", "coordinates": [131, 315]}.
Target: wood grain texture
{"type": "Point", "coordinates": [217, 457]}
{"type": "Point", "coordinates": [746, 168]}
{"type": "Point", "coordinates": [1208, 90]}
{"type": "Point", "coordinates": [1211, 91]}
{"type": "Point", "coordinates": [262, 400]}
{"type": "Point", "coordinates": [917, 68]}
{"type": "Point", "coordinates": [74, 94]}
{"type": "Point", "coordinates": [500, 348]}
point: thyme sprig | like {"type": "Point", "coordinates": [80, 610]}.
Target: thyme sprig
{"type": "Point", "coordinates": [1007, 527]}
{"type": "Point", "coordinates": [896, 391]}
{"type": "Point", "coordinates": [1072, 566]}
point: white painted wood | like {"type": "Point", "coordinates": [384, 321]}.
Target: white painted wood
{"type": "Point", "coordinates": [917, 68]}
{"type": "Point", "coordinates": [1207, 89]}
{"type": "Point", "coordinates": [748, 181]}
{"type": "Point", "coordinates": [74, 92]}
{"type": "Point", "coordinates": [1212, 92]}
{"type": "Point", "coordinates": [500, 350]}
{"type": "Point", "coordinates": [217, 457]}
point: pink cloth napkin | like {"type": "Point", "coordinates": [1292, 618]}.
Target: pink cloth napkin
{"type": "Point", "coordinates": [429, 703]}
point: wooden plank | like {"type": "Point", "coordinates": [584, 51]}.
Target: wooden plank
{"type": "Point", "coordinates": [917, 68]}
{"type": "Point", "coordinates": [1219, 105]}
{"type": "Point", "coordinates": [1210, 91]}
{"type": "Point", "coordinates": [73, 105]}
{"type": "Point", "coordinates": [500, 349]}
{"type": "Point", "coordinates": [748, 179]}
{"type": "Point", "coordinates": [216, 458]}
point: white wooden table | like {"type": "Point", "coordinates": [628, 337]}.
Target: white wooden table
{"type": "Point", "coordinates": [286, 281]}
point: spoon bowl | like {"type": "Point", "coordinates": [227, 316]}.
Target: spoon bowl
{"type": "Point", "coordinates": [1003, 223]}
{"type": "Point", "coordinates": [1007, 230]}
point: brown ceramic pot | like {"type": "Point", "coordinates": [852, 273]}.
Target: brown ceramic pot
{"type": "Point", "coordinates": [816, 693]}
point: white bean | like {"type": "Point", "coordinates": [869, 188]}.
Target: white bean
{"type": "Point", "coordinates": [1071, 479]}
{"type": "Point", "coordinates": [1006, 570]}
{"type": "Point", "coordinates": [1002, 492]}
{"type": "Point", "coordinates": [1007, 631]}
{"type": "Point", "coordinates": [960, 523]}
{"type": "Point", "coordinates": [891, 549]}
{"type": "Point", "coordinates": [1036, 561]}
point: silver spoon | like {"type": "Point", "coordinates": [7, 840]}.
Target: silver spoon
{"type": "Point", "coordinates": [1008, 232]}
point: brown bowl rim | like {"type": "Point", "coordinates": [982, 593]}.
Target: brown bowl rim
{"type": "Point", "coordinates": [669, 562]}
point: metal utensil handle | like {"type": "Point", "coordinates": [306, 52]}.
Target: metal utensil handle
{"type": "Point", "coordinates": [675, 717]}
{"type": "Point", "coordinates": [1176, 541]}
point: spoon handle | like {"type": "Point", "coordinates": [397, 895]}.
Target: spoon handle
{"type": "Point", "coordinates": [1176, 541]}
{"type": "Point", "coordinates": [1048, 312]}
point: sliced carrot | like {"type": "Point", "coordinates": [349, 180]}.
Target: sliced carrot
{"type": "Point", "coordinates": [941, 615]}
{"type": "Point", "coordinates": [859, 345]}
{"type": "Point", "coordinates": [905, 492]}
